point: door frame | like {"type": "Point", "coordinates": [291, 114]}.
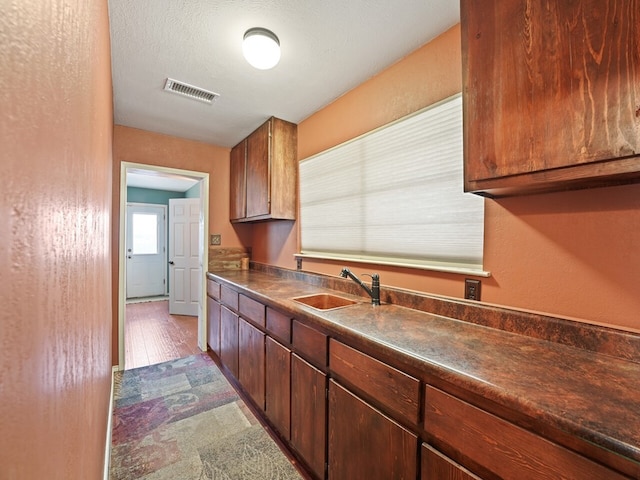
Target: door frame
{"type": "Point", "coordinates": [203, 254]}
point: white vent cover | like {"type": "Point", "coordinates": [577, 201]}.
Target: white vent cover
{"type": "Point", "coordinates": [190, 91]}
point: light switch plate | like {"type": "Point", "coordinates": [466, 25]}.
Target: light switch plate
{"type": "Point", "coordinates": [216, 239]}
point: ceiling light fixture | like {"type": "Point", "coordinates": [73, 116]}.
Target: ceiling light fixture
{"type": "Point", "coordinates": [261, 48]}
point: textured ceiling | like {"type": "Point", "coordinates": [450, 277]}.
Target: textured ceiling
{"type": "Point", "coordinates": [328, 48]}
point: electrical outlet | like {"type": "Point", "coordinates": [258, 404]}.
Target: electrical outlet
{"type": "Point", "coordinates": [472, 289]}
{"type": "Point", "coordinates": [216, 239]}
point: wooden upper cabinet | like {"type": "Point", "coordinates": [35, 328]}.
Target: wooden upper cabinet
{"type": "Point", "coordinates": [551, 95]}
{"type": "Point", "coordinates": [237, 187]}
{"type": "Point", "coordinates": [263, 185]}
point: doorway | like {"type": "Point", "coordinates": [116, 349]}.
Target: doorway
{"type": "Point", "coordinates": [154, 173]}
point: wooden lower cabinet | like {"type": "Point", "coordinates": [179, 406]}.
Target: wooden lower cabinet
{"type": "Point", "coordinates": [229, 340]}
{"type": "Point", "coordinates": [304, 381]}
{"type": "Point", "coordinates": [308, 414]}
{"type": "Point", "coordinates": [251, 361]}
{"type": "Point", "coordinates": [364, 444]}
{"type": "Point", "coordinates": [213, 325]}
{"type": "Point", "coordinates": [278, 386]}
{"type": "Point", "coordinates": [435, 466]}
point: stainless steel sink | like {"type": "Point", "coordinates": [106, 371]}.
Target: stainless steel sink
{"type": "Point", "coordinates": [325, 301]}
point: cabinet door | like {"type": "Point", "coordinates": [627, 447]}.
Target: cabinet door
{"type": "Point", "coordinates": [365, 444]}
{"type": "Point", "coordinates": [278, 386]}
{"type": "Point", "coordinates": [251, 361]}
{"type": "Point", "coordinates": [435, 466]}
{"type": "Point", "coordinates": [229, 340]}
{"type": "Point", "coordinates": [557, 104]}
{"type": "Point", "coordinates": [308, 414]}
{"type": "Point", "coordinates": [283, 167]}
{"type": "Point", "coordinates": [237, 185]}
{"type": "Point", "coordinates": [258, 185]}
{"type": "Point", "coordinates": [213, 325]}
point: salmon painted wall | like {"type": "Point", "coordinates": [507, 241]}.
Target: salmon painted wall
{"type": "Point", "coordinates": [55, 329]}
{"type": "Point", "coordinates": [571, 254]}
{"type": "Point", "coordinates": [140, 146]}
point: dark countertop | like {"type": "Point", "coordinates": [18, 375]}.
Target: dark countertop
{"type": "Point", "coordinates": [592, 396]}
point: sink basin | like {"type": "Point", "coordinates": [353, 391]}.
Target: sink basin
{"type": "Point", "coordinates": [325, 301]}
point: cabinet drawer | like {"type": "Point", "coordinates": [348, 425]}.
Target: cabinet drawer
{"type": "Point", "coordinates": [504, 449]}
{"type": "Point", "coordinates": [213, 289]}
{"type": "Point", "coordinates": [279, 325]}
{"type": "Point", "coordinates": [251, 310]}
{"type": "Point", "coordinates": [278, 386]}
{"type": "Point", "coordinates": [310, 344]}
{"type": "Point", "coordinates": [229, 298]}
{"type": "Point", "coordinates": [397, 391]}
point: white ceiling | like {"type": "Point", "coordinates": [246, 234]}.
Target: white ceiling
{"type": "Point", "coordinates": [328, 48]}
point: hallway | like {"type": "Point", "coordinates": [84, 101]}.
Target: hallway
{"type": "Point", "coordinates": [153, 336]}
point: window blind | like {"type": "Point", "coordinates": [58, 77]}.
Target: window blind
{"type": "Point", "coordinates": [395, 196]}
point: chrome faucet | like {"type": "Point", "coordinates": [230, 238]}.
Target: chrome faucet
{"type": "Point", "coordinates": [374, 291]}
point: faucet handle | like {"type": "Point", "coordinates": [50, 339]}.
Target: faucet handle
{"type": "Point", "coordinates": [375, 278]}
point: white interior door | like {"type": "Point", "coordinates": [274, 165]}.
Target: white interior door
{"type": "Point", "coordinates": [184, 264]}
{"type": "Point", "coordinates": [146, 261]}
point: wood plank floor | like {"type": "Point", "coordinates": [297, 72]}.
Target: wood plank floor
{"type": "Point", "coordinates": [153, 336]}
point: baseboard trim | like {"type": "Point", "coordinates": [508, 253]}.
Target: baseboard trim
{"type": "Point", "coordinates": [107, 444]}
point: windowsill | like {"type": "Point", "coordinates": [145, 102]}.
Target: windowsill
{"type": "Point", "coordinates": [443, 267]}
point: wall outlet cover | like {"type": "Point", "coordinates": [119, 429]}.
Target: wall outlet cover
{"type": "Point", "coordinates": [472, 289]}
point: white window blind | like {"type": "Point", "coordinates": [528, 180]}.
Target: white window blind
{"type": "Point", "coordinates": [395, 196]}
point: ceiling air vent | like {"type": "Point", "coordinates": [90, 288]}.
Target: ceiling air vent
{"type": "Point", "coordinates": [190, 91]}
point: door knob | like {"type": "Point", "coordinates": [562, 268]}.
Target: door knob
{"type": "Point", "coordinates": [170, 262]}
